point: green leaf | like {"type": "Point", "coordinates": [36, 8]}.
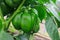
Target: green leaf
{"type": "Point", "coordinates": [54, 1]}
{"type": "Point", "coordinates": [46, 1]}
{"type": "Point", "coordinates": [52, 10]}
{"type": "Point", "coordinates": [1, 20]}
{"type": "Point", "coordinates": [0, 1]}
{"type": "Point", "coordinates": [52, 28]}
{"type": "Point", "coordinates": [1, 26]}
{"type": "Point", "coordinates": [16, 38]}
{"type": "Point", "coordinates": [43, 1]}
{"type": "Point", "coordinates": [5, 36]}
{"type": "Point", "coordinates": [41, 11]}
{"type": "Point", "coordinates": [24, 36]}
{"type": "Point", "coordinates": [58, 23]}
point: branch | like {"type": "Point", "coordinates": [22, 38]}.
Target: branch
{"type": "Point", "coordinates": [14, 14]}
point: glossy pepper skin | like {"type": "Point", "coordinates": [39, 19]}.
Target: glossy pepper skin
{"type": "Point", "coordinates": [28, 21]}
{"type": "Point", "coordinates": [25, 20]}
{"type": "Point", "coordinates": [36, 26]}
{"type": "Point", "coordinates": [36, 21]}
{"type": "Point", "coordinates": [17, 21]}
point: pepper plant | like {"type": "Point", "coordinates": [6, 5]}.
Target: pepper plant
{"type": "Point", "coordinates": [25, 16]}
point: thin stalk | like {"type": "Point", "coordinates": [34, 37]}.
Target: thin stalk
{"type": "Point", "coordinates": [14, 14]}
{"type": "Point", "coordinates": [2, 19]}
{"type": "Point", "coordinates": [1, 15]}
{"type": "Point", "coordinates": [31, 37]}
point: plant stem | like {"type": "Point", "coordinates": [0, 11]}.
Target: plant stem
{"type": "Point", "coordinates": [1, 15]}
{"type": "Point", "coordinates": [25, 36]}
{"type": "Point", "coordinates": [2, 19]}
{"type": "Point", "coordinates": [18, 10]}
{"type": "Point", "coordinates": [31, 37]}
